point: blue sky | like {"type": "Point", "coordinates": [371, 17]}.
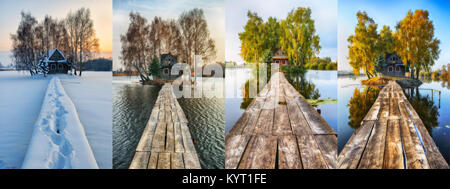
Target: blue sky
{"type": "Point", "coordinates": [169, 9]}
{"type": "Point", "coordinates": [389, 12]}
{"type": "Point", "coordinates": [324, 13]}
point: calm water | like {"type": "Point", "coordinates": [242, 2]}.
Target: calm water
{"type": "Point", "coordinates": [132, 106]}
{"type": "Point", "coordinates": [435, 117]}
{"type": "Point", "coordinates": [325, 83]}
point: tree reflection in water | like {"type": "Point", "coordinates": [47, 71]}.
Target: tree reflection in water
{"type": "Point", "coordinates": [360, 103]}
{"type": "Point", "coordinates": [425, 107]}
{"type": "Point", "coordinates": [298, 81]}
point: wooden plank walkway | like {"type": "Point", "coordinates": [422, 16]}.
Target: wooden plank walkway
{"type": "Point", "coordinates": [280, 129]}
{"type": "Point", "coordinates": [391, 136]}
{"type": "Point", "coordinates": [166, 142]}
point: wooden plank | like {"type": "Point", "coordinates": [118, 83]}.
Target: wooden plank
{"type": "Point", "coordinates": [158, 142]}
{"type": "Point", "coordinates": [316, 122]}
{"type": "Point", "coordinates": [328, 147]}
{"type": "Point", "coordinates": [265, 122]}
{"type": "Point", "coordinates": [282, 125]}
{"type": "Point", "coordinates": [179, 147]}
{"type": "Point", "coordinates": [434, 157]}
{"type": "Point", "coordinates": [140, 160]}
{"type": "Point", "coordinates": [298, 123]}
{"type": "Point", "coordinates": [234, 148]}
{"type": "Point", "coordinates": [191, 161]}
{"type": "Point", "coordinates": [164, 160]}
{"type": "Point", "coordinates": [414, 151]}
{"type": "Point", "coordinates": [351, 154]}
{"type": "Point", "coordinates": [310, 153]}
{"type": "Point", "coordinates": [288, 155]}
{"type": "Point", "coordinates": [394, 112]}
{"type": "Point", "coordinates": [187, 139]}
{"type": "Point", "coordinates": [147, 136]}
{"type": "Point", "coordinates": [252, 142]}
{"type": "Point", "coordinates": [177, 161]}
{"type": "Point", "coordinates": [170, 138]}
{"type": "Point", "coordinates": [373, 112]}
{"type": "Point", "coordinates": [374, 154]}
{"type": "Point", "coordinates": [260, 153]}
{"type": "Point", "coordinates": [384, 108]}
{"type": "Point", "coordinates": [153, 161]}
{"type": "Point", "coordinates": [166, 137]}
{"type": "Point", "coordinates": [393, 156]}
{"type": "Point", "coordinates": [253, 118]}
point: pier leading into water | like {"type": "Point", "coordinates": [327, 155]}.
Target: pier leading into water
{"type": "Point", "coordinates": [280, 129]}
{"type": "Point", "coordinates": [391, 136]}
{"type": "Point", "coordinates": [166, 142]}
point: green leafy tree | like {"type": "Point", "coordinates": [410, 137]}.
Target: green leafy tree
{"type": "Point", "coordinates": [252, 40]}
{"type": "Point", "coordinates": [298, 37]}
{"type": "Point", "coordinates": [155, 68]}
{"type": "Point", "coordinates": [416, 44]}
{"type": "Point", "coordinates": [386, 41]}
{"type": "Point", "coordinates": [378, 63]}
{"type": "Point", "coordinates": [362, 45]}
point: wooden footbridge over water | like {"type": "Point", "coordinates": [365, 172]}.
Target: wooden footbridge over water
{"type": "Point", "coordinates": [280, 129]}
{"type": "Point", "coordinates": [391, 136]}
{"type": "Point", "coordinates": [166, 142]}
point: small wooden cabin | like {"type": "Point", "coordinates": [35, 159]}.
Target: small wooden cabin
{"type": "Point", "coordinates": [280, 58]}
{"type": "Point", "coordinates": [393, 65]}
{"type": "Point", "coordinates": [56, 62]}
{"type": "Point", "coordinates": [167, 61]}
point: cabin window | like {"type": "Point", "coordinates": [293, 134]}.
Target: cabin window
{"type": "Point", "coordinates": [397, 68]}
{"type": "Point", "coordinates": [53, 67]}
{"type": "Point", "coordinates": [166, 71]}
{"type": "Point", "coordinates": [390, 69]}
{"type": "Point", "coordinates": [60, 66]}
{"type": "Point", "coordinates": [276, 61]}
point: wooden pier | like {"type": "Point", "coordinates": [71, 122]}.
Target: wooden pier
{"type": "Point", "coordinates": [391, 136]}
{"type": "Point", "coordinates": [280, 129]}
{"type": "Point", "coordinates": [166, 142]}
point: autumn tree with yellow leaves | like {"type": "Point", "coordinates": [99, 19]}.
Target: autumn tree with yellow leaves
{"type": "Point", "coordinates": [416, 44]}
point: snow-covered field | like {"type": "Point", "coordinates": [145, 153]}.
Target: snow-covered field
{"type": "Point", "coordinates": [21, 100]}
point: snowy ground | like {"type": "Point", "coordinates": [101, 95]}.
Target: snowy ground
{"type": "Point", "coordinates": [21, 98]}
{"type": "Point", "coordinates": [92, 96]}
{"type": "Point", "coordinates": [58, 140]}
{"type": "Point", "coordinates": [20, 103]}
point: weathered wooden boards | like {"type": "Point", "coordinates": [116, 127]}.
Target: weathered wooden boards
{"type": "Point", "coordinates": [391, 136]}
{"type": "Point", "coordinates": [280, 129]}
{"type": "Point", "coordinates": [166, 142]}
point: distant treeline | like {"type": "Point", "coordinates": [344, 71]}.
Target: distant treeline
{"type": "Point", "coordinates": [99, 64]}
{"type": "Point", "coordinates": [321, 64]}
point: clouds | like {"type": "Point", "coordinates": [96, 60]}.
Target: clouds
{"type": "Point", "coordinates": [324, 14]}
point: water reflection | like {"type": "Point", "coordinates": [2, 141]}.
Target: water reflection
{"type": "Point", "coordinates": [425, 107]}
{"type": "Point", "coordinates": [360, 103]}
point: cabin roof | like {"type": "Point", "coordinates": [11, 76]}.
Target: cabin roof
{"type": "Point", "coordinates": [53, 52]}
{"type": "Point", "coordinates": [279, 55]}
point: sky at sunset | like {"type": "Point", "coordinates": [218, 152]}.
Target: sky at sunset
{"type": "Point", "coordinates": [101, 14]}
